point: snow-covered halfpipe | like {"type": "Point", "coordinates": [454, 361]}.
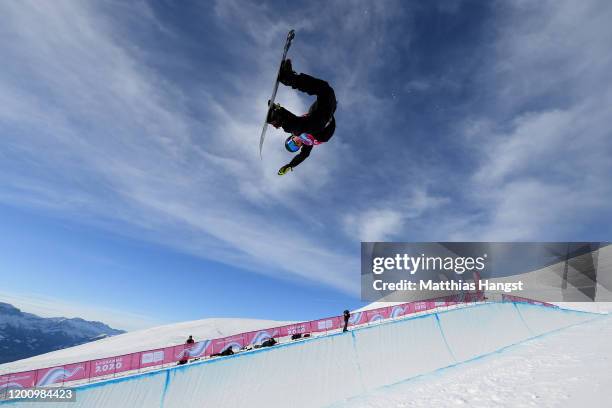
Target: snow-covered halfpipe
{"type": "Point", "coordinates": [322, 370]}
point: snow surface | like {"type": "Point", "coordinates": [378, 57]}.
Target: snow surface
{"type": "Point", "coordinates": [323, 370]}
{"type": "Point", "coordinates": [141, 340]}
{"type": "Point", "coordinates": [568, 368]}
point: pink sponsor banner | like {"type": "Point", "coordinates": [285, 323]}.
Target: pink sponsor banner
{"type": "Point", "coordinates": [258, 337]}
{"type": "Point", "coordinates": [126, 362]}
{"type": "Point", "coordinates": [135, 360]}
{"type": "Point", "coordinates": [337, 322]}
{"type": "Point", "coordinates": [110, 366]}
{"type": "Point", "coordinates": [200, 349]}
{"type": "Point", "coordinates": [49, 376]}
{"type": "Point", "coordinates": [180, 352]}
{"type": "Point", "coordinates": [410, 309]}
{"type": "Point", "coordinates": [519, 299]}
{"type": "Point", "coordinates": [291, 329]}
{"type": "Point", "coordinates": [249, 337]}
{"type": "Point", "coordinates": [512, 298]}
{"type": "Point", "coordinates": [25, 379]}
{"type": "Point", "coordinates": [419, 306]}
{"type": "Point", "coordinates": [440, 303]}
{"type": "Point", "coordinates": [377, 315]}
{"type": "Point", "coordinates": [218, 345]}
{"type": "Point", "coordinates": [187, 350]}
{"type": "Point", "coordinates": [237, 341]}
{"type": "Point", "coordinates": [322, 325]}
{"type": "Point", "coordinates": [3, 385]}
{"type": "Point", "coordinates": [398, 310]}
{"type": "Point", "coordinates": [193, 350]}
{"type": "Point", "coordinates": [152, 358]}
{"type": "Point", "coordinates": [357, 318]}
{"type": "Point", "coordinates": [169, 356]}
{"type": "Point", "coordinates": [77, 371]}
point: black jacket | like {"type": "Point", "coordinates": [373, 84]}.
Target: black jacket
{"type": "Point", "coordinates": [323, 136]}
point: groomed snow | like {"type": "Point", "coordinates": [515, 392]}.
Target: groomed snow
{"type": "Point", "coordinates": [568, 368]}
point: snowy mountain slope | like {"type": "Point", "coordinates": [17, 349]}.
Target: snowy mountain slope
{"type": "Point", "coordinates": [24, 334]}
{"type": "Point", "coordinates": [140, 340]}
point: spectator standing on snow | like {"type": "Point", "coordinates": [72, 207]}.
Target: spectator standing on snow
{"type": "Point", "coordinates": [347, 316]}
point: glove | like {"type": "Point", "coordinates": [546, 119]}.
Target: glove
{"type": "Point", "coordinates": [283, 170]}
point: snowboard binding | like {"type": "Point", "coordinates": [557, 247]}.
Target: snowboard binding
{"type": "Point", "coordinates": [286, 75]}
{"type": "Point", "coordinates": [275, 115]}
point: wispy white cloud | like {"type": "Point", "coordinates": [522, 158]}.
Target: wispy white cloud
{"type": "Point", "coordinates": [93, 133]}
{"type": "Point", "coordinates": [541, 168]}
{"type": "Point", "coordinates": [375, 225]}
{"type": "Point", "coordinates": [391, 219]}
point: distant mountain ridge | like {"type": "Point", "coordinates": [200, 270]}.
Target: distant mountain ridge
{"type": "Point", "coordinates": [24, 335]}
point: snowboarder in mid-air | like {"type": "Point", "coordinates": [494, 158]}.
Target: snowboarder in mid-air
{"type": "Point", "coordinates": [315, 127]}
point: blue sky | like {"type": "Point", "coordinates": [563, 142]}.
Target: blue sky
{"type": "Point", "coordinates": [131, 190]}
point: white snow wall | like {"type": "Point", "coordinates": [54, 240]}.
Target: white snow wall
{"type": "Point", "coordinates": [320, 371]}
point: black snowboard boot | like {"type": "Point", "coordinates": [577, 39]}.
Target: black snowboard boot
{"type": "Point", "coordinates": [287, 75]}
{"type": "Point", "coordinates": [276, 115]}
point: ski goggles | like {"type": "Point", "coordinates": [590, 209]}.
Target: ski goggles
{"type": "Point", "coordinates": [291, 145]}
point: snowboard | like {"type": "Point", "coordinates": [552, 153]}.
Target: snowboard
{"type": "Point", "coordinates": [290, 36]}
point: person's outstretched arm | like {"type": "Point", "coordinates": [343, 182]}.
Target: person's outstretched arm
{"type": "Point", "coordinates": [302, 155]}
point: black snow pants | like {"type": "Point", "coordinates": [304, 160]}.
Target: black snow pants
{"type": "Point", "coordinates": [319, 121]}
